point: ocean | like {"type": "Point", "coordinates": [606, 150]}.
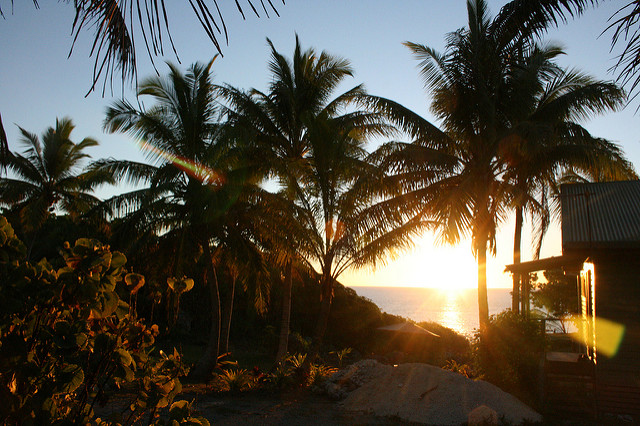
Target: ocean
{"type": "Point", "coordinates": [456, 309]}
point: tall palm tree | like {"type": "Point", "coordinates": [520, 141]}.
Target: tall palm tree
{"type": "Point", "coordinates": [340, 221]}
{"type": "Point", "coordinates": [302, 90]}
{"type": "Point", "coordinates": [49, 175]}
{"type": "Point", "coordinates": [457, 172]}
{"type": "Point", "coordinates": [547, 139]}
{"type": "Point", "coordinates": [197, 194]}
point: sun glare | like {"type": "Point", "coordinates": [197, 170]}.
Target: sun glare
{"type": "Point", "coordinates": [443, 267]}
{"type": "Point", "coordinates": [427, 265]}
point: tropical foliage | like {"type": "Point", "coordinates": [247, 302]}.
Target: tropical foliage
{"type": "Point", "coordinates": [70, 341]}
{"type": "Point", "coordinates": [508, 354]}
{"type": "Point", "coordinates": [315, 148]}
{"type": "Point", "coordinates": [200, 201]}
{"type": "Point", "coordinates": [48, 176]}
{"type": "Point", "coordinates": [116, 25]}
{"type": "Point", "coordinates": [508, 131]}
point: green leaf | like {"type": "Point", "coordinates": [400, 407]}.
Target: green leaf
{"type": "Point", "coordinates": [104, 306]}
{"type": "Point", "coordinates": [179, 410]}
{"type": "Point", "coordinates": [118, 260]}
{"type": "Point", "coordinates": [122, 310]}
{"type": "Point", "coordinates": [125, 357]}
{"type": "Point", "coordinates": [181, 285]}
{"type": "Point", "coordinates": [69, 379]}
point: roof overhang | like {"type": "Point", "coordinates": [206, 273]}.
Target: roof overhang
{"type": "Point", "coordinates": [568, 263]}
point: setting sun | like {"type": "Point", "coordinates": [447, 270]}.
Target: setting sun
{"type": "Point", "coordinates": [427, 265]}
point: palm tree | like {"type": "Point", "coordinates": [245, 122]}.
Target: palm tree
{"type": "Point", "coordinates": [278, 122]}
{"type": "Point", "coordinates": [547, 139]}
{"type": "Point", "coordinates": [458, 173]}
{"type": "Point", "coordinates": [48, 175]}
{"type": "Point", "coordinates": [198, 194]}
{"type": "Point", "coordinates": [340, 220]}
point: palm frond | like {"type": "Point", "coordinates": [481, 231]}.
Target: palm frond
{"type": "Point", "coordinates": [115, 25]}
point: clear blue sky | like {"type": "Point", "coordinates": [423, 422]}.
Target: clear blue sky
{"type": "Point", "coordinates": [38, 83]}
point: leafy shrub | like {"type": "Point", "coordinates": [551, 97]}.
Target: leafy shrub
{"type": "Point", "coordinates": [182, 413]}
{"type": "Point", "coordinates": [461, 368]}
{"type": "Point", "coordinates": [341, 355]}
{"type": "Point", "coordinates": [68, 340]}
{"type": "Point", "coordinates": [281, 377]}
{"type": "Point", "coordinates": [234, 381]}
{"type": "Point", "coordinates": [291, 371]}
{"type": "Point", "coordinates": [508, 354]}
{"type": "Point", "coordinates": [318, 373]}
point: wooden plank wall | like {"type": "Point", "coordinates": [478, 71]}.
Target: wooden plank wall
{"type": "Point", "coordinates": [618, 300]}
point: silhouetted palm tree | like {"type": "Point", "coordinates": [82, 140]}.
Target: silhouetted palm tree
{"type": "Point", "coordinates": [547, 139]}
{"type": "Point", "coordinates": [302, 91]}
{"type": "Point", "coordinates": [49, 175]}
{"type": "Point", "coordinates": [340, 220]}
{"type": "Point", "coordinates": [198, 193]}
{"type": "Point", "coordinates": [458, 173]}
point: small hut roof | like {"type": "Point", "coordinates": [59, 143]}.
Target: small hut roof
{"type": "Point", "coordinates": [409, 328]}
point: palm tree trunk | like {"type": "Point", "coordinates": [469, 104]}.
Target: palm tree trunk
{"type": "Point", "coordinates": [323, 320]}
{"type": "Point", "coordinates": [483, 303]}
{"type": "Point", "coordinates": [283, 345]}
{"type": "Point", "coordinates": [517, 242]}
{"type": "Point", "coordinates": [209, 359]}
{"type": "Point", "coordinates": [226, 329]}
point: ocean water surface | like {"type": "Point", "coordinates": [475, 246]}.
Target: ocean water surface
{"type": "Point", "coordinates": [453, 308]}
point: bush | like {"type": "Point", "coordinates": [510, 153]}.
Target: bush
{"type": "Point", "coordinates": [291, 372]}
{"type": "Point", "coordinates": [68, 340]}
{"type": "Point", "coordinates": [234, 381]}
{"type": "Point", "coordinates": [509, 354]}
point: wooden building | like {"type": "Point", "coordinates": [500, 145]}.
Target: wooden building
{"type": "Point", "coordinates": [601, 247]}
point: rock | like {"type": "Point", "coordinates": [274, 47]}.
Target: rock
{"type": "Point", "coordinates": [426, 394]}
{"type": "Point", "coordinates": [482, 416]}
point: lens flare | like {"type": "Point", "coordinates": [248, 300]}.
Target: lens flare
{"type": "Point", "coordinates": [204, 174]}
{"type": "Point", "coordinates": [607, 337]}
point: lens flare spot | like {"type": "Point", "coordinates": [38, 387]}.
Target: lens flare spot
{"type": "Point", "coordinates": [204, 174]}
{"type": "Point", "coordinates": [607, 338]}
{"type": "Point", "coordinates": [609, 335]}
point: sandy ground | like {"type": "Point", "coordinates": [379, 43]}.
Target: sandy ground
{"type": "Point", "coordinates": [292, 408]}
{"type": "Point", "coordinates": [364, 393]}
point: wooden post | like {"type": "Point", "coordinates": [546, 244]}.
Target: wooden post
{"type": "Point", "coordinates": [515, 296]}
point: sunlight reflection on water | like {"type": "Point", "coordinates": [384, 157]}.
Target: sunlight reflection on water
{"type": "Point", "coordinates": [453, 308]}
{"type": "Point", "coordinates": [450, 316]}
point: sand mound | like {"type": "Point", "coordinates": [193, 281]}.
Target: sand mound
{"type": "Point", "coordinates": [424, 394]}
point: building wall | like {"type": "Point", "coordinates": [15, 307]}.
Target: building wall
{"type": "Point", "coordinates": [617, 295]}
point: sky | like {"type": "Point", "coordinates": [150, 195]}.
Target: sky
{"type": "Point", "coordinates": [38, 83]}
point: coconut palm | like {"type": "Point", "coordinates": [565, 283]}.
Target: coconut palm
{"type": "Point", "coordinates": [340, 221]}
{"type": "Point", "coordinates": [197, 194]}
{"type": "Point", "coordinates": [49, 176]}
{"type": "Point", "coordinates": [277, 122]}
{"type": "Point", "coordinates": [547, 139]}
{"type": "Point", "coordinates": [458, 172]}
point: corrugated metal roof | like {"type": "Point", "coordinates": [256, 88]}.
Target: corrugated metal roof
{"type": "Point", "coordinates": [601, 215]}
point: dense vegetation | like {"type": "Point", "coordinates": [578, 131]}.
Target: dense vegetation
{"type": "Point", "coordinates": [223, 269]}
